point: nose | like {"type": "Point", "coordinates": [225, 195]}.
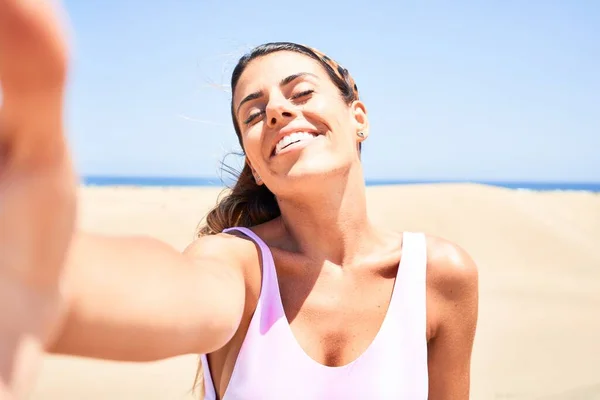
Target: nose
{"type": "Point", "coordinates": [278, 110]}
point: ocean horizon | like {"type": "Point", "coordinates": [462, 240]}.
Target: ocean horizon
{"type": "Point", "coordinates": [170, 181]}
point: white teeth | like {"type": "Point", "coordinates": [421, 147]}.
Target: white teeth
{"type": "Point", "coordinates": [294, 137]}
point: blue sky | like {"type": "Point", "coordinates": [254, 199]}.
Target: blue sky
{"type": "Point", "coordinates": [455, 90]}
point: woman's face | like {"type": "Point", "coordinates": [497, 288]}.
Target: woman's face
{"type": "Point", "coordinates": [293, 121]}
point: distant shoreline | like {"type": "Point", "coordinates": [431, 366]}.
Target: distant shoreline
{"type": "Point", "coordinates": [150, 181]}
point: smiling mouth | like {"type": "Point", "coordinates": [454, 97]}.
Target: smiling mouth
{"type": "Point", "coordinates": [290, 140]}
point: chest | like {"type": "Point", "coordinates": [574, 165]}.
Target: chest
{"type": "Point", "coordinates": [335, 316]}
{"type": "Point", "coordinates": [345, 334]}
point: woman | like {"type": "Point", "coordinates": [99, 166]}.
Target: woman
{"type": "Point", "coordinates": [289, 291]}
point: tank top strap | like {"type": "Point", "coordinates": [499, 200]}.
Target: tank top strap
{"type": "Point", "coordinates": [414, 248]}
{"type": "Point", "coordinates": [269, 308]}
{"type": "Point", "coordinates": [409, 299]}
{"type": "Point", "coordinates": [269, 275]}
{"type": "Point", "coordinates": [249, 233]}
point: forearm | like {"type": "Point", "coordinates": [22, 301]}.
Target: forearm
{"type": "Point", "coordinates": [37, 191]}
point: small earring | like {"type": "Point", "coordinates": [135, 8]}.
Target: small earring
{"type": "Point", "coordinates": [361, 134]}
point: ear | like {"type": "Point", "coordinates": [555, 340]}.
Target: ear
{"type": "Point", "coordinates": [360, 119]}
{"type": "Point", "coordinates": [255, 174]}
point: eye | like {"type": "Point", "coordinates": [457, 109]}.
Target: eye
{"type": "Point", "coordinates": [252, 117]}
{"type": "Point", "coordinates": [298, 98]}
{"type": "Point", "coordinates": [303, 96]}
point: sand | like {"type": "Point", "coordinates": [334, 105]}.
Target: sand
{"type": "Point", "coordinates": [539, 258]}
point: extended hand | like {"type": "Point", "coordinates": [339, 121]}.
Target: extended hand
{"type": "Point", "coordinates": [37, 187]}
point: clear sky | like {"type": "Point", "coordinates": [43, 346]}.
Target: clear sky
{"type": "Point", "coordinates": [489, 90]}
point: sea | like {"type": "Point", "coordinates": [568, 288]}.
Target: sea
{"type": "Point", "coordinates": [97, 180]}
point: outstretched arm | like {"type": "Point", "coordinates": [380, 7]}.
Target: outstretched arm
{"type": "Point", "coordinates": [138, 299]}
{"type": "Point", "coordinates": [117, 298]}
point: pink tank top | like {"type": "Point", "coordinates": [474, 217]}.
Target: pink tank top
{"type": "Point", "coordinates": [271, 365]}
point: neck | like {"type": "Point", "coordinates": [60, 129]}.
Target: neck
{"type": "Point", "coordinates": [330, 224]}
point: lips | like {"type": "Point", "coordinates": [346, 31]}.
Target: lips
{"type": "Point", "coordinates": [293, 138]}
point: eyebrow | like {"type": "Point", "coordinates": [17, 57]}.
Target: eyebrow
{"type": "Point", "coordinates": [285, 81]}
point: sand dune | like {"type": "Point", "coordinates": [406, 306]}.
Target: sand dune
{"type": "Point", "coordinates": [539, 260]}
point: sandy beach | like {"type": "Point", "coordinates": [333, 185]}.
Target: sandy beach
{"type": "Point", "coordinates": [538, 254]}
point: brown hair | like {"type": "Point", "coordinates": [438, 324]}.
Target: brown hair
{"type": "Point", "coordinates": [248, 204]}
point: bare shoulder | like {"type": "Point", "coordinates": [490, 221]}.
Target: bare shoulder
{"type": "Point", "coordinates": [224, 246]}
{"type": "Point", "coordinates": [232, 252]}
{"type": "Point", "coordinates": [452, 284]}
{"type": "Point", "coordinates": [451, 270]}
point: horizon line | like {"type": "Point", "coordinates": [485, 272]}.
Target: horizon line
{"type": "Point", "coordinates": [199, 178]}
